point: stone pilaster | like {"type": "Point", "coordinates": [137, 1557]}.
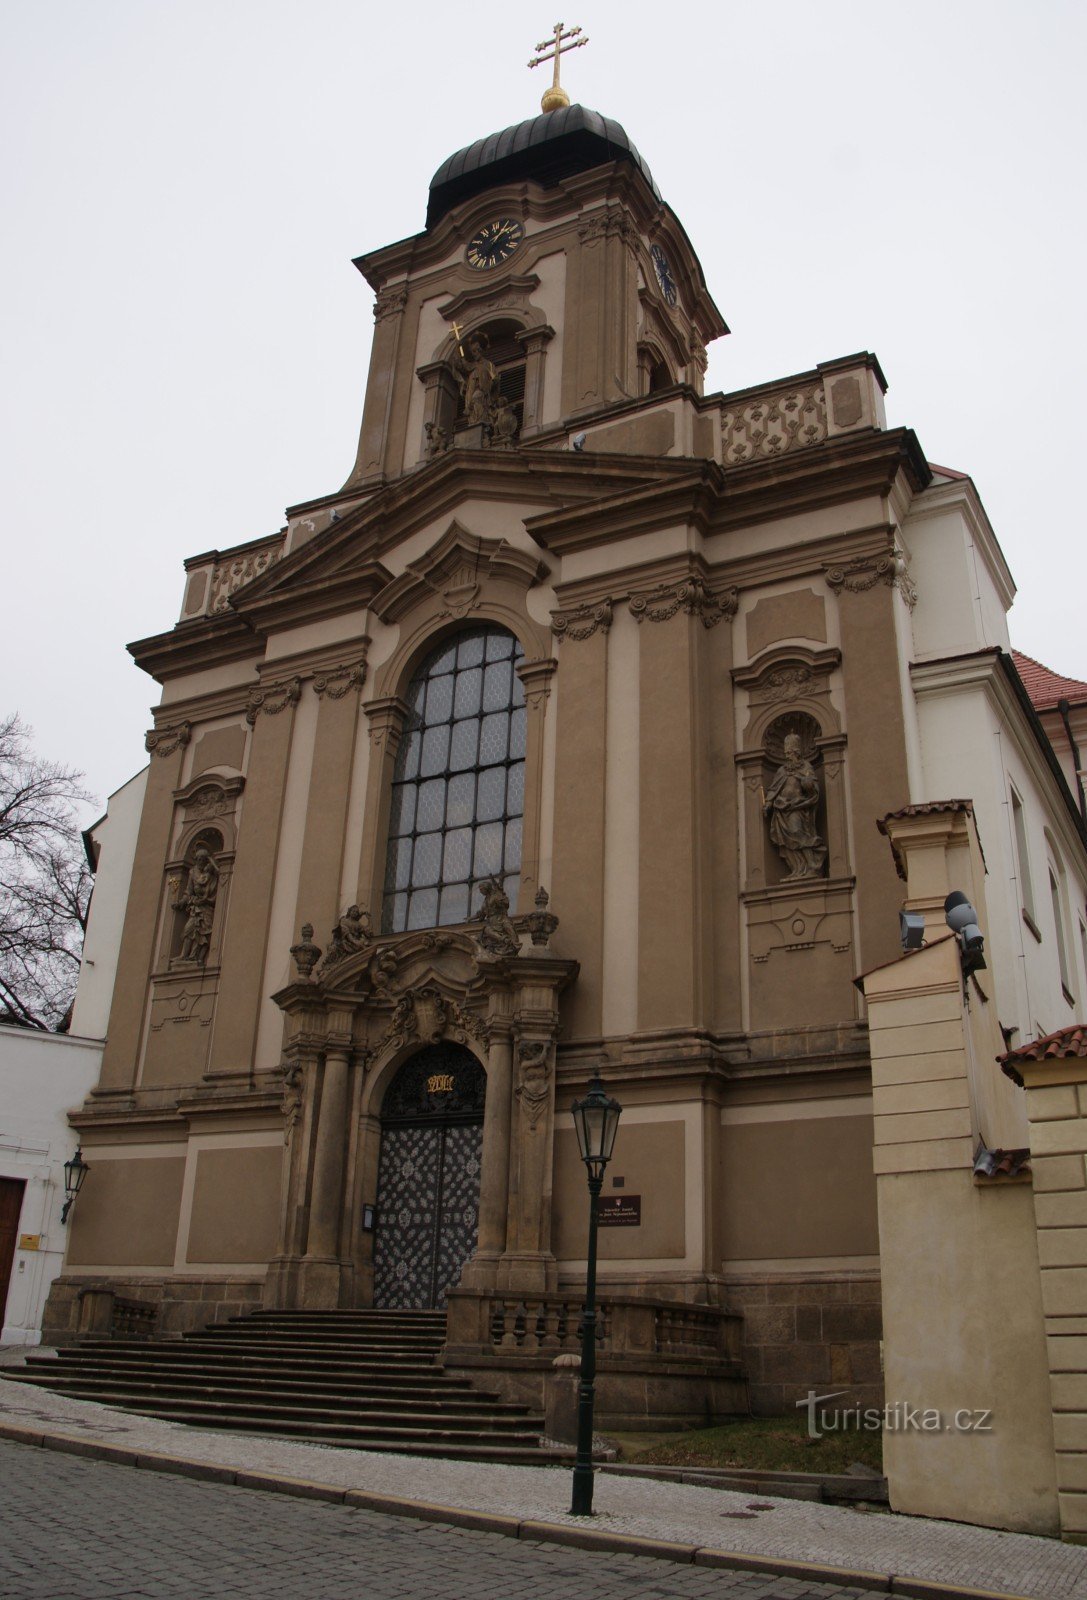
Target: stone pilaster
{"type": "Point", "coordinates": [1057, 1108]}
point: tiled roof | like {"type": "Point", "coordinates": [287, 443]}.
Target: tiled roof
{"type": "Point", "coordinates": [1000, 1163]}
{"type": "Point", "coordinates": [1053, 1047]}
{"type": "Point", "coordinates": [924, 808]}
{"type": "Point", "coordinates": [949, 472]}
{"type": "Point", "coordinates": [1044, 687]}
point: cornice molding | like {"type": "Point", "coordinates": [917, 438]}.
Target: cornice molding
{"type": "Point", "coordinates": [982, 671]}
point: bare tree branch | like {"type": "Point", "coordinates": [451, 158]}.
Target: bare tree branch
{"type": "Point", "coordinates": [45, 883]}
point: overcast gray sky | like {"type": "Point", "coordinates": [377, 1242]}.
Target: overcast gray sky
{"type": "Point", "coordinates": [185, 340]}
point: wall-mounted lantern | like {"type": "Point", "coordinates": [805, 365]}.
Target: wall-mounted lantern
{"type": "Point", "coordinates": [75, 1170]}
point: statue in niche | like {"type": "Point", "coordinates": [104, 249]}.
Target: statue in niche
{"type": "Point", "coordinates": [498, 936]}
{"type": "Point", "coordinates": [351, 934]}
{"type": "Point", "coordinates": [477, 376]}
{"type": "Point", "coordinates": [790, 803]}
{"type": "Point", "coordinates": [198, 905]}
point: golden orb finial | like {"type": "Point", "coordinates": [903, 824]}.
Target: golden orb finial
{"type": "Point", "coordinates": [556, 97]}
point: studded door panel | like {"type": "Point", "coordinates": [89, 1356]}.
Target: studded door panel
{"type": "Point", "coordinates": [407, 1199]}
{"type": "Point", "coordinates": [427, 1212]}
{"type": "Point", "coordinates": [458, 1206]}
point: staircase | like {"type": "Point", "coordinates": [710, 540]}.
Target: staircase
{"type": "Point", "coordinates": [363, 1380]}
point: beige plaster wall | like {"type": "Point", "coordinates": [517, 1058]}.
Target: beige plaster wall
{"type": "Point", "coordinates": [650, 1160]}
{"type": "Point", "coordinates": [963, 1331]}
{"type": "Point", "coordinates": [128, 1212]}
{"type": "Point", "coordinates": [235, 1205]}
{"type": "Point", "coordinates": [797, 1189]}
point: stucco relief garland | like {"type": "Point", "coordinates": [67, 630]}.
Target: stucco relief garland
{"type": "Point", "coordinates": [340, 680]}
{"type": "Point", "coordinates": [857, 577]}
{"type": "Point", "coordinates": [690, 596]}
{"type": "Point", "coordinates": [273, 699]}
{"type": "Point", "coordinates": [583, 621]}
{"type": "Point", "coordinates": [164, 741]}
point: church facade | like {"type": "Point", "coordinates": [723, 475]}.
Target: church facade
{"type": "Point", "coordinates": [554, 742]}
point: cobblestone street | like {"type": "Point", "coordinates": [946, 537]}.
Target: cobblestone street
{"type": "Point", "coordinates": [86, 1530]}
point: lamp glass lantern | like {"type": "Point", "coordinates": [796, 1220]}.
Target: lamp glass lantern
{"type": "Point", "coordinates": [596, 1121]}
{"type": "Point", "coordinates": [75, 1170]}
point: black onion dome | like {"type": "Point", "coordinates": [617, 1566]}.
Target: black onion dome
{"type": "Point", "coordinates": [546, 148]}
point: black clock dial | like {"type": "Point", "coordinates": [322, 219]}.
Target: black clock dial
{"type": "Point", "coordinates": [664, 274]}
{"type": "Point", "coordinates": [495, 243]}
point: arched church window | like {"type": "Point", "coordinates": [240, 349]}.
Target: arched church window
{"type": "Point", "coordinates": [459, 783]}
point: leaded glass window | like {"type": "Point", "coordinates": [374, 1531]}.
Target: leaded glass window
{"type": "Point", "coordinates": [459, 784]}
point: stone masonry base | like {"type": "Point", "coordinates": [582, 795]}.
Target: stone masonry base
{"type": "Point", "coordinates": [800, 1333]}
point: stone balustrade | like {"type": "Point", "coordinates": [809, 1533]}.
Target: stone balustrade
{"type": "Point", "coordinates": [213, 577]}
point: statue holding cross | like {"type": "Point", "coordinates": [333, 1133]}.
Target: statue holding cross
{"type": "Point", "coordinates": [556, 97]}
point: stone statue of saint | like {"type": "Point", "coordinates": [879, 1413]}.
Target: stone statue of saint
{"type": "Point", "coordinates": [790, 803]}
{"type": "Point", "coordinates": [351, 934]}
{"type": "Point", "coordinates": [477, 376]}
{"type": "Point", "coordinates": [198, 904]}
{"type": "Point", "coordinates": [498, 936]}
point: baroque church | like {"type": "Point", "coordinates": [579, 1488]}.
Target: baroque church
{"type": "Point", "coordinates": [589, 727]}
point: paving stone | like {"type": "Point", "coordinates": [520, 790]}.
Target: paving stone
{"type": "Point", "coordinates": [794, 1530]}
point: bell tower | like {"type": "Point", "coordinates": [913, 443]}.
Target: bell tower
{"type": "Point", "coordinates": [550, 284]}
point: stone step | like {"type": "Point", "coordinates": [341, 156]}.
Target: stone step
{"type": "Point", "coordinates": [375, 1355]}
{"type": "Point", "coordinates": [212, 1385]}
{"type": "Point", "coordinates": [404, 1429]}
{"type": "Point", "coordinates": [55, 1373]}
{"type": "Point", "coordinates": [359, 1379]}
{"type": "Point", "coordinates": [301, 1408]}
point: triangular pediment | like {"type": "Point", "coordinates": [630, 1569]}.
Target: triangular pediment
{"type": "Point", "coordinates": [342, 567]}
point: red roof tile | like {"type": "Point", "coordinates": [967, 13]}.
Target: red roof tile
{"type": "Point", "coordinates": [1053, 1047]}
{"type": "Point", "coordinates": [949, 472]}
{"type": "Point", "coordinates": [1044, 687]}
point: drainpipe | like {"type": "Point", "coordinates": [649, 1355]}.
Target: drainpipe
{"type": "Point", "coordinates": [1063, 708]}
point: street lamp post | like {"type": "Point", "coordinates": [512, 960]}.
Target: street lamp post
{"type": "Point", "coordinates": [596, 1120]}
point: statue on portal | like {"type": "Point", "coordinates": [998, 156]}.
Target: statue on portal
{"type": "Point", "coordinates": [498, 936]}
{"type": "Point", "coordinates": [790, 803]}
{"type": "Point", "coordinates": [351, 934]}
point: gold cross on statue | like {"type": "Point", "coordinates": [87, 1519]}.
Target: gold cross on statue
{"type": "Point", "coordinates": [556, 97]}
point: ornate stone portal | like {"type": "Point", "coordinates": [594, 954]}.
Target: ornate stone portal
{"type": "Point", "coordinates": [352, 1024]}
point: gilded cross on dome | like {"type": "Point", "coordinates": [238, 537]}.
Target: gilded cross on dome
{"type": "Point", "coordinates": [556, 97]}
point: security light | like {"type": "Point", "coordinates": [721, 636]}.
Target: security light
{"type": "Point", "coordinates": [911, 925]}
{"type": "Point", "coordinates": [962, 919]}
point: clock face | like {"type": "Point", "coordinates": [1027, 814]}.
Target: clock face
{"type": "Point", "coordinates": [664, 274]}
{"type": "Point", "coordinates": [494, 243]}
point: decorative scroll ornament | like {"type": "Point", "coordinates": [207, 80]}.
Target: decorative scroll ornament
{"type": "Point", "coordinates": [164, 741]}
{"type": "Point", "coordinates": [773, 425]}
{"type": "Point", "coordinates": [857, 577]}
{"type": "Point", "coordinates": [306, 953]}
{"type": "Point", "coordinates": [541, 923]}
{"type": "Point", "coordinates": [437, 440]}
{"type": "Point", "coordinates": [584, 621]}
{"type": "Point", "coordinates": [273, 699]}
{"type": "Point", "coordinates": [787, 683]}
{"type": "Point", "coordinates": [338, 681]}
{"type": "Point", "coordinates": [389, 303]}
{"type": "Point", "coordinates": [534, 1078]}
{"type": "Point", "coordinates": [690, 596]}
{"type": "Point", "coordinates": [610, 224]}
